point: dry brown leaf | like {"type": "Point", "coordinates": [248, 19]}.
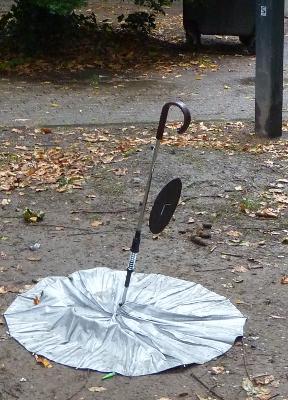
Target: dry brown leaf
{"type": "Point", "coordinates": [34, 258]}
{"type": "Point", "coordinates": [97, 389]}
{"type": "Point", "coordinates": [96, 224]}
{"type": "Point", "coordinates": [263, 380]}
{"type": "Point", "coordinates": [36, 300]}
{"type": "Point", "coordinates": [43, 361]}
{"type": "Point", "coordinates": [239, 269]}
{"type": "Point", "coordinates": [234, 234]}
{"type": "Point", "coordinates": [267, 213]}
{"type": "Point", "coordinates": [14, 289]}
{"type": "Point", "coordinates": [217, 370]}
{"type": "Point", "coordinates": [3, 290]}
{"type": "Point", "coordinates": [252, 390]}
{"type": "Point", "coordinates": [120, 171]}
{"type": "Point", "coordinates": [46, 130]}
{"type": "Point", "coordinates": [284, 280]}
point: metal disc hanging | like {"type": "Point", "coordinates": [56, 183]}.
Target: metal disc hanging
{"type": "Point", "coordinates": [165, 205]}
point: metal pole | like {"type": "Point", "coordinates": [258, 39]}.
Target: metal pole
{"type": "Point", "coordinates": [269, 67]}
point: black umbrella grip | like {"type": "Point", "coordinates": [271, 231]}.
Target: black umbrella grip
{"type": "Point", "coordinates": [164, 115]}
{"type": "Point", "coordinates": [136, 242]}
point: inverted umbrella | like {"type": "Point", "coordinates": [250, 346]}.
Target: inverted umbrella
{"type": "Point", "coordinates": [91, 320]}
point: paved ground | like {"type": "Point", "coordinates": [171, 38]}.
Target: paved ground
{"type": "Point", "coordinates": [231, 179]}
{"type": "Point", "coordinates": [228, 175]}
{"type": "Point", "coordinates": [130, 97]}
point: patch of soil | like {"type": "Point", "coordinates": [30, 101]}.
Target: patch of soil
{"type": "Point", "coordinates": [230, 180]}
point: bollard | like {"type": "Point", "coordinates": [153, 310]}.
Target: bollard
{"type": "Point", "coordinates": [269, 67]}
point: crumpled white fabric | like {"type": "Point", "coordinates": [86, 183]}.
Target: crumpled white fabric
{"type": "Point", "coordinates": [166, 322]}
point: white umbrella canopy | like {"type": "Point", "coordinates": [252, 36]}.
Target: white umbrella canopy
{"type": "Point", "coordinates": [164, 323]}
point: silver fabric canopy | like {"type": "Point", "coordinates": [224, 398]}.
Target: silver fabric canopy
{"type": "Point", "coordinates": [165, 322]}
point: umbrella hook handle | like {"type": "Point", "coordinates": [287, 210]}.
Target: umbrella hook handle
{"type": "Point", "coordinates": [164, 115]}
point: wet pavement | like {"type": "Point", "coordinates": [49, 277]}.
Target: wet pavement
{"type": "Point", "coordinates": [98, 97]}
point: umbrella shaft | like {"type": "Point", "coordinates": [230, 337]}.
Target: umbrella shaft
{"type": "Point", "coordinates": [130, 269]}
{"type": "Point", "coordinates": [148, 184]}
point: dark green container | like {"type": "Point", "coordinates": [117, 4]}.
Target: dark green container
{"type": "Point", "coordinates": [220, 17]}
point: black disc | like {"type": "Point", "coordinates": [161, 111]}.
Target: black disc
{"type": "Point", "coordinates": [164, 206]}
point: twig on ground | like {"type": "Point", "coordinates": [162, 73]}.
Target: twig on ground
{"type": "Point", "coordinates": [231, 254]}
{"type": "Point", "coordinates": [206, 387]}
{"type": "Point", "coordinates": [245, 359]}
{"type": "Point", "coordinates": [211, 269]}
{"type": "Point", "coordinates": [274, 395]}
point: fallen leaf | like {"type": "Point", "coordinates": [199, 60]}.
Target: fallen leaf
{"type": "Point", "coordinates": [15, 130]}
{"type": "Point", "coordinates": [21, 148]}
{"type": "Point", "coordinates": [5, 202]}
{"type": "Point", "coordinates": [263, 380]}
{"type": "Point", "coordinates": [120, 171]}
{"type": "Point", "coordinates": [34, 258]}
{"type": "Point", "coordinates": [284, 280]}
{"type": "Point", "coordinates": [252, 390]}
{"type": "Point", "coordinates": [43, 361]}
{"type": "Point", "coordinates": [46, 130]}
{"type": "Point", "coordinates": [36, 300]}
{"type": "Point", "coordinates": [267, 213]}
{"type": "Point", "coordinates": [234, 234]}
{"type": "Point", "coordinates": [239, 269]}
{"type": "Point", "coordinates": [97, 389]}
{"type": "Point", "coordinates": [217, 370]}
{"type": "Point", "coordinates": [3, 290]}
{"type": "Point", "coordinates": [96, 223]}
{"type": "Point", "coordinates": [32, 216]}
{"type": "Point", "coordinates": [14, 289]}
